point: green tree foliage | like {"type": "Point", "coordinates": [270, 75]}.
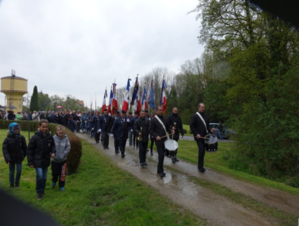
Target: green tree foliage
{"type": "Point", "coordinates": [255, 55]}
{"type": "Point", "coordinates": [44, 101]}
{"type": "Point", "coordinates": [34, 100]}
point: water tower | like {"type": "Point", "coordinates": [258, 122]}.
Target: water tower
{"type": "Point", "coordinates": [14, 88]}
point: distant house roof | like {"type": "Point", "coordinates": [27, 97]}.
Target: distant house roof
{"type": "Point", "coordinates": [15, 77]}
{"type": "Point", "coordinates": [80, 102]}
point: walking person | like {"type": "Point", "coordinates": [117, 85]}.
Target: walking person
{"type": "Point", "coordinates": [141, 127]}
{"type": "Point", "coordinates": [116, 141]}
{"type": "Point", "coordinates": [103, 128]}
{"type": "Point", "coordinates": [199, 126]}
{"type": "Point", "coordinates": [40, 149]}
{"type": "Point", "coordinates": [120, 126]}
{"type": "Point", "coordinates": [58, 166]}
{"type": "Point", "coordinates": [14, 151]}
{"type": "Point", "coordinates": [159, 127]}
{"type": "Point", "coordinates": [95, 126]}
{"type": "Point", "coordinates": [176, 121]}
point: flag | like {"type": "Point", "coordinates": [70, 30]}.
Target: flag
{"type": "Point", "coordinates": [135, 92]}
{"type": "Point", "coordinates": [163, 97]}
{"type": "Point", "coordinates": [110, 101]}
{"type": "Point", "coordinates": [144, 102]}
{"type": "Point", "coordinates": [126, 99]}
{"type": "Point", "coordinates": [139, 102]}
{"type": "Point", "coordinates": [151, 99]}
{"type": "Point", "coordinates": [104, 101]}
{"type": "Point", "coordinates": [114, 100]}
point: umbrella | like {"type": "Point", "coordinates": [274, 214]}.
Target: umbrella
{"type": "Point", "coordinates": [59, 106]}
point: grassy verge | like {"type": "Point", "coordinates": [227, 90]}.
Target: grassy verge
{"type": "Point", "coordinates": [218, 160]}
{"type": "Point", "coordinates": [187, 127]}
{"type": "Point", "coordinates": [99, 194]}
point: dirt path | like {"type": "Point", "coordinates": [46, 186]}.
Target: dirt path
{"type": "Point", "coordinates": [177, 186]}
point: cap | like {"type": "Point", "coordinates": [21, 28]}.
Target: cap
{"type": "Point", "coordinates": [105, 109]}
{"type": "Point", "coordinates": [13, 126]}
{"type": "Point", "coordinates": [146, 111]}
{"type": "Point", "coordinates": [117, 112]}
{"type": "Point", "coordinates": [123, 111]}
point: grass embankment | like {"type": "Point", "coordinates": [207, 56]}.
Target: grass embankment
{"type": "Point", "coordinates": [99, 194]}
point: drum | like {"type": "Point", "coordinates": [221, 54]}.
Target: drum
{"type": "Point", "coordinates": [171, 146]}
{"type": "Point", "coordinates": [211, 143]}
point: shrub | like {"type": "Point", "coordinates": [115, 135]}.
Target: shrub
{"type": "Point", "coordinates": [74, 156]}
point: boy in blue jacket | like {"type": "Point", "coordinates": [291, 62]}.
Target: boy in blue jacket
{"type": "Point", "coordinates": [14, 151]}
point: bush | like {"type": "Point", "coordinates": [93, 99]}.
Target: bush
{"type": "Point", "coordinates": [73, 157]}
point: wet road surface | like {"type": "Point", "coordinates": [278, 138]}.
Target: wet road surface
{"type": "Point", "coordinates": [178, 187]}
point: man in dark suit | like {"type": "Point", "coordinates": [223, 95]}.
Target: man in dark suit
{"type": "Point", "coordinates": [116, 141]}
{"type": "Point", "coordinates": [199, 126]}
{"type": "Point", "coordinates": [103, 128]}
{"type": "Point", "coordinates": [159, 127]}
{"type": "Point", "coordinates": [120, 127]}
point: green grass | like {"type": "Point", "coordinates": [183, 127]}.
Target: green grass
{"type": "Point", "coordinates": [188, 151]}
{"type": "Point", "coordinates": [99, 194]}
{"type": "Point", "coordinates": [187, 127]}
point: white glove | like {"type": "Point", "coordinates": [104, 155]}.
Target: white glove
{"type": "Point", "coordinates": [99, 130]}
{"type": "Point", "coordinates": [111, 135]}
{"type": "Point", "coordinates": [128, 120]}
{"type": "Point", "coordinates": [92, 129]}
{"type": "Point", "coordinates": [131, 130]}
{"type": "Point", "coordinates": [109, 114]}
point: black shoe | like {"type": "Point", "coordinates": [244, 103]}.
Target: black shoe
{"type": "Point", "coordinates": [173, 160]}
{"type": "Point", "coordinates": [123, 155]}
{"type": "Point", "coordinates": [39, 196]}
{"type": "Point", "coordinates": [162, 175]}
{"type": "Point", "coordinates": [145, 164]}
{"type": "Point", "coordinates": [176, 160]}
{"type": "Point", "coordinates": [142, 164]}
{"type": "Point", "coordinates": [97, 142]}
{"type": "Point", "coordinates": [202, 170]}
{"type": "Point", "coordinates": [17, 185]}
{"type": "Point", "coordinates": [11, 185]}
{"type": "Point", "coordinates": [116, 151]}
{"type": "Point", "coordinates": [147, 150]}
{"type": "Point", "coordinates": [107, 147]}
{"type": "Point", "coordinates": [152, 153]}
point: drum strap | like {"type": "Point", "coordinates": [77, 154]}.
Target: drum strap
{"type": "Point", "coordinates": [202, 121]}
{"type": "Point", "coordinates": [159, 120]}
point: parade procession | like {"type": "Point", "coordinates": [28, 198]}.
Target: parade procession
{"type": "Point", "coordinates": [143, 124]}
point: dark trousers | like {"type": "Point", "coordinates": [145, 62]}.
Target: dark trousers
{"type": "Point", "coordinates": [135, 140]}
{"type": "Point", "coordinates": [105, 139]}
{"type": "Point", "coordinates": [116, 144]}
{"type": "Point", "coordinates": [152, 143]}
{"type": "Point", "coordinates": [122, 145]}
{"type": "Point", "coordinates": [142, 151]}
{"type": "Point", "coordinates": [97, 136]}
{"type": "Point", "coordinates": [58, 172]}
{"type": "Point", "coordinates": [201, 152]}
{"type": "Point", "coordinates": [12, 167]}
{"type": "Point", "coordinates": [160, 149]}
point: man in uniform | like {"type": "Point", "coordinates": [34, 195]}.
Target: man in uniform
{"type": "Point", "coordinates": [142, 122]}
{"type": "Point", "coordinates": [131, 128]}
{"type": "Point", "coordinates": [120, 126]}
{"type": "Point", "coordinates": [95, 126]}
{"type": "Point", "coordinates": [159, 127]}
{"type": "Point", "coordinates": [199, 126]}
{"type": "Point", "coordinates": [174, 118]}
{"type": "Point", "coordinates": [116, 141]}
{"type": "Point", "coordinates": [104, 128]}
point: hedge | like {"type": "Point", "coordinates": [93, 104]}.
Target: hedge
{"type": "Point", "coordinates": [73, 157]}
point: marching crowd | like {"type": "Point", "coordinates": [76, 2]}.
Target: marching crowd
{"type": "Point", "coordinates": [139, 129]}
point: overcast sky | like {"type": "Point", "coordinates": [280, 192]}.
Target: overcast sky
{"type": "Point", "coordinates": [80, 47]}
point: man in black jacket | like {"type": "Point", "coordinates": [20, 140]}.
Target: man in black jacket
{"type": "Point", "coordinates": [199, 126]}
{"type": "Point", "coordinates": [159, 127]}
{"type": "Point", "coordinates": [174, 118]}
{"type": "Point", "coordinates": [141, 128]}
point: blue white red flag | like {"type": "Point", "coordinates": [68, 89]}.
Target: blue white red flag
{"type": "Point", "coordinates": [126, 98]}
{"type": "Point", "coordinates": [104, 101]}
{"type": "Point", "coordinates": [110, 101]}
{"type": "Point", "coordinates": [163, 97]}
{"type": "Point", "coordinates": [114, 100]}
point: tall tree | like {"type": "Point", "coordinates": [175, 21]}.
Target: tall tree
{"type": "Point", "coordinates": [34, 100]}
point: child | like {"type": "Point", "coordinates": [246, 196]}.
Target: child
{"type": "Point", "coordinates": [14, 151]}
{"type": "Point", "coordinates": [63, 147]}
{"type": "Point", "coordinates": [41, 147]}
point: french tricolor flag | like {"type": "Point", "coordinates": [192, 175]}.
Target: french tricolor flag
{"type": "Point", "coordinates": [110, 101]}
{"type": "Point", "coordinates": [126, 98]}
{"type": "Point", "coordinates": [104, 101]}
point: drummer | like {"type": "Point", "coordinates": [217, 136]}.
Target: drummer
{"type": "Point", "coordinates": [199, 126]}
{"type": "Point", "coordinates": [159, 127]}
